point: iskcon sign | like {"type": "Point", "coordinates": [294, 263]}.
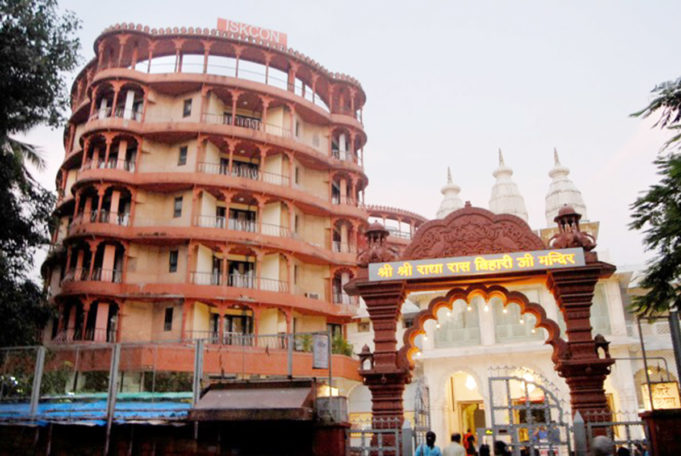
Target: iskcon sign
{"type": "Point", "coordinates": [251, 31]}
{"type": "Point", "coordinates": [477, 265]}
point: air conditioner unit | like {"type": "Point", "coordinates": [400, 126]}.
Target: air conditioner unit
{"type": "Point", "coordinates": [312, 295]}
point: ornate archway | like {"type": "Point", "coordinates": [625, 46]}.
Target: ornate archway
{"type": "Point", "coordinates": [476, 252]}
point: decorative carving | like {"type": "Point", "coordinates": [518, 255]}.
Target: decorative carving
{"type": "Point", "coordinates": [409, 348]}
{"type": "Point", "coordinates": [472, 231]}
{"type": "Point", "coordinates": [602, 342]}
{"type": "Point", "coordinates": [569, 235]}
{"type": "Point", "coordinates": [377, 250]}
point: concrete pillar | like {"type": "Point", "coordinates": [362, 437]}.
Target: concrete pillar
{"type": "Point", "coordinates": [108, 263]}
{"type": "Point", "coordinates": [101, 321]}
{"type": "Point", "coordinates": [344, 237]}
{"type": "Point", "coordinates": [113, 210]}
{"type": "Point", "coordinates": [129, 100]}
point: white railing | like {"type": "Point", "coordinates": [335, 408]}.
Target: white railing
{"type": "Point", "coordinates": [242, 225]}
{"type": "Point", "coordinates": [241, 280]}
{"type": "Point", "coordinates": [206, 278]}
{"type": "Point", "coordinates": [106, 275]}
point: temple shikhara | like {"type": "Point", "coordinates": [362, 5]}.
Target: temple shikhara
{"type": "Point", "coordinates": [216, 269]}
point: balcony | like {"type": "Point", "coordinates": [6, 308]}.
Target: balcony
{"type": "Point", "coordinates": [128, 114]}
{"type": "Point", "coordinates": [91, 335]}
{"type": "Point", "coordinates": [236, 280]}
{"type": "Point", "coordinates": [112, 163]}
{"type": "Point", "coordinates": [98, 275]}
{"type": "Point", "coordinates": [249, 226]}
{"type": "Point", "coordinates": [244, 172]}
{"type": "Point", "coordinates": [104, 217]}
{"type": "Point", "coordinates": [342, 247]}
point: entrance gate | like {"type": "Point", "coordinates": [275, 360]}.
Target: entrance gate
{"type": "Point", "coordinates": [474, 252]}
{"type": "Point", "coordinates": [536, 425]}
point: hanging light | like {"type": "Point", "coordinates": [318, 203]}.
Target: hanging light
{"type": "Point", "coordinates": [522, 320]}
{"type": "Point", "coordinates": [469, 308]}
{"type": "Point", "coordinates": [437, 325]}
{"type": "Point", "coordinates": [534, 330]}
{"type": "Point", "coordinates": [471, 384]}
{"type": "Point", "coordinates": [486, 308]}
{"type": "Point", "coordinates": [425, 336]}
{"type": "Point", "coordinates": [505, 310]}
{"type": "Point", "coordinates": [449, 314]}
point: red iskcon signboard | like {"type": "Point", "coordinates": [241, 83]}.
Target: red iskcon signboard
{"type": "Point", "coordinates": [252, 31]}
{"type": "Point", "coordinates": [474, 265]}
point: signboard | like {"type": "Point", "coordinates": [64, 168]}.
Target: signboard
{"type": "Point", "coordinates": [665, 395]}
{"type": "Point", "coordinates": [320, 351]}
{"type": "Point", "coordinates": [251, 31]}
{"type": "Point", "coordinates": [477, 265]}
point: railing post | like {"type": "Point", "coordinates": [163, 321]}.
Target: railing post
{"type": "Point", "coordinates": [407, 439]}
{"type": "Point", "coordinates": [198, 370]}
{"type": "Point", "coordinates": [579, 434]}
{"type": "Point", "coordinates": [289, 351]}
{"type": "Point", "coordinates": [37, 380]}
{"type": "Point", "coordinates": [111, 394]}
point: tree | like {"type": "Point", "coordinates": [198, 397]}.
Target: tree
{"type": "Point", "coordinates": [37, 47]}
{"type": "Point", "coordinates": [658, 211]}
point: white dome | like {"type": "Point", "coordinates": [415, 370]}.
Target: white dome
{"type": "Point", "coordinates": [506, 198]}
{"type": "Point", "coordinates": [451, 201]}
{"type": "Point", "coordinates": [561, 192]}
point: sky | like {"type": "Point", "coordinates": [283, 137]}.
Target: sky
{"type": "Point", "coordinates": [448, 83]}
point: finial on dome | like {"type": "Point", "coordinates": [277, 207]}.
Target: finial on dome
{"type": "Point", "coordinates": [449, 176]}
{"type": "Point", "coordinates": [555, 157]}
{"type": "Point", "coordinates": [501, 158]}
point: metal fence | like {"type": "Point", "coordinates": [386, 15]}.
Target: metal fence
{"type": "Point", "coordinates": [377, 437]}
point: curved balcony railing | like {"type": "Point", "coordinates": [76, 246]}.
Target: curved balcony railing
{"type": "Point", "coordinates": [98, 275]}
{"type": "Point", "coordinates": [342, 298]}
{"type": "Point", "coordinates": [112, 163]}
{"type": "Point", "coordinates": [342, 247]}
{"type": "Point", "coordinates": [250, 226]}
{"type": "Point", "coordinates": [121, 219]}
{"type": "Point", "coordinates": [247, 173]}
{"type": "Point", "coordinates": [239, 281]}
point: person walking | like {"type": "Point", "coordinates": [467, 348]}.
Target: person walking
{"type": "Point", "coordinates": [455, 448]}
{"type": "Point", "coordinates": [429, 448]}
{"type": "Point", "coordinates": [470, 448]}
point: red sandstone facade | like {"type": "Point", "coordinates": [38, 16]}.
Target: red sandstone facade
{"type": "Point", "coordinates": [212, 187]}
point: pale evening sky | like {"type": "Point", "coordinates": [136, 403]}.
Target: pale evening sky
{"type": "Point", "coordinates": [450, 82]}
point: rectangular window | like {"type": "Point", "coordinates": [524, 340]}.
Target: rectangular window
{"type": "Point", "coordinates": [177, 207]}
{"type": "Point", "coordinates": [172, 261]}
{"type": "Point", "coordinates": [187, 108]}
{"type": "Point", "coordinates": [363, 326]}
{"type": "Point", "coordinates": [295, 274]}
{"type": "Point", "coordinates": [182, 158]}
{"type": "Point", "coordinates": [296, 223]}
{"type": "Point", "coordinates": [168, 319]}
{"type": "Point", "coordinates": [297, 174]}
{"type": "Point", "coordinates": [297, 129]}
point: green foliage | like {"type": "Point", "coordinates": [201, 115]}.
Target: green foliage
{"type": "Point", "coordinates": [340, 346]}
{"type": "Point", "coordinates": [37, 46]}
{"type": "Point", "coordinates": [658, 211]}
{"type": "Point", "coordinates": [668, 103]}
{"type": "Point", "coordinates": [168, 382]}
{"type": "Point", "coordinates": [658, 214]}
{"type": "Point", "coordinates": [95, 382]}
{"type": "Point", "coordinates": [55, 381]}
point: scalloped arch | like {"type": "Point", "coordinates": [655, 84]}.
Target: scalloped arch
{"type": "Point", "coordinates": [507, 297]}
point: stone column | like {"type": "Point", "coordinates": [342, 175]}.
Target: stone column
{"type": "Point", "coordinates": [387, 378]}
{"type": "Point", "coordinates": [580, 365]}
